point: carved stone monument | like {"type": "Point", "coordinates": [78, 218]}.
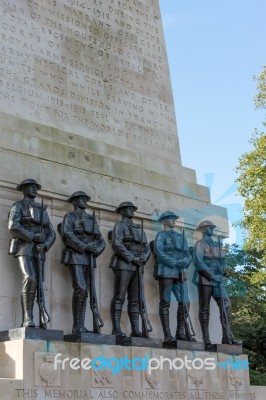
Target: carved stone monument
{"type": "Point", "coordinates": [86, 104]}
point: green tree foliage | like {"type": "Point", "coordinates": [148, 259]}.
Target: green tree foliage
{"type": "Point", "coordinates": [260, 98]}
{"type": "Point", "coordinates": [246, 285]}
{"type": "Point", "coordinates": [247, 267]}
{"type": "Point", "coordinates": [252, 181]}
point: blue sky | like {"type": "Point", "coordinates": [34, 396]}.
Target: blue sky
{"type": "Point", "coordinates": [214, 50]}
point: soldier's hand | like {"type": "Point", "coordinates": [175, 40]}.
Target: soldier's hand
{"type": "Point", "coordinates": [39, 238]}
{"type": "Point", "coordinates": [91, 248]}
{"type": "Point", "coordinates": [183, 262]}
{"type": "Point", "coordinates": [40, 248]}
{"type": "Point", "coordinates": [138, 261]}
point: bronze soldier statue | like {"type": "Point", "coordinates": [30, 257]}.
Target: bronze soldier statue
{"type": "Point", "coordinates": [84, 243]}
{"type": "Point", "coordinates": [210, 266]}
{"type": "Point", "coordinates": [172, 258]}
{"type": "Point", "coordinates": [33, 236]}
{"type": "Point", "coordinates": [132, 251]}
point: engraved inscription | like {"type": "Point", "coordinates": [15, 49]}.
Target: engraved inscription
{"type": "Point", "coordinates": [129, 394]}
{"type": "Point", "coordinates": [97, 68]}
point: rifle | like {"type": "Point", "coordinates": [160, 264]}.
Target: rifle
{"type": "Point", "coordinates": [43, 314]}
{"type": "Point", "coordinates": [146, 325]}
{"type": "Point", "coordinates": [97, 320]}
{"type": "Point", "coordinates": [187, 320]}
{"type": "Point", "coordinates": [224, 316]}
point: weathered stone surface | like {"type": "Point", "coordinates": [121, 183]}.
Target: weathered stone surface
{"type": "Point", "coordinates": [10, 388]}
{"type": "Point", "coordinates": [97, 68]}
{"type": "Point", "coordinates": [229, 349]}
{"type": "Point", "coordinates": [183, 375]}
{"type": "Point", "coordinates": [31, 333]}
{"type": "Point", "coordinates": [144, 342]}
{"type": "Point", "coordinates": [90, 337]}
{"type": "Point", "coordinates": [184, 345]}
{"type": "Point", "coordinates": [259, 392]}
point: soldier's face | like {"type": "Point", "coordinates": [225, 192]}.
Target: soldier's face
{"type": "Point", "coordinates": [30, 191]}
{"type": "Point", "coordinates": [128, 212]}
{"type": "Point", "coordinates": [170, 222]}
{"type": "Point", "coordinates": [209, 230]}
{"type": "Point", "coordinates": [81, 202]}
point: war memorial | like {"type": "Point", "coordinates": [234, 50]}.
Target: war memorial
{"type": "Point", "coordinates": [97, 208]}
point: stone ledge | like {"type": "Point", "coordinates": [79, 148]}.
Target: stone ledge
{"type": "Point", "coordinates": [35, 134]}
{"type": "Point", "coordinates": [90, 337]}
{"type": "Point", "coordinates": [31, 333]}
{"type": "Point", "coordinates": [229, 349]}
{"type": "Point", "coordinates": [184, 345]}
{"type": "Point", "coordinates": [104, 165]}
{"type": "Point", "coordinates": [139, 342]}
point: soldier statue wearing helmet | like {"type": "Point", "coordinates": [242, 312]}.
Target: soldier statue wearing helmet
{"type": "Point", "coordinates": [210, 266]}
{"type": "Point", "coordinates": [84, 243]}
{"type": "Point", "coordinates": [172, 259]}
{"type": "Point", "coordinates": [33, 235]}
{"type": "Point", "coordinates": [132, 251]}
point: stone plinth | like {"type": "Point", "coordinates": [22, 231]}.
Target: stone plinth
{"type": "Point", "coordinates": [184, 345]}
{"type": "Point", "coordinates": [259, 392]}
{"type": "Point", "coordinates": [44, 377]}
{"type": "Point", "coordinates": [138, 342]}
{"type": "Point", "coordinates": [90, 338]}
{"type": "Point", "coordinates": [31, 333]}
{"type": "Point", "coordinates": [229, 349]}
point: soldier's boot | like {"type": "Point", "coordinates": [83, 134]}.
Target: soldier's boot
{"type": "Point", "coordinates": [115, 318]}
{"type": "Point", "coordinates": [204, 323]}
{"type": "Point", "coordinates": [134, 321]}
{"type": "Point", "coordinates": [82, 328]}
{"type": "Point", "coordinates": [27, 301]}
{"type": "Point", "coordinates": [232, 339]}
{"type": "Point", "coordinates": [228, 337]}
{"type": "Point", "coordinates": [164, 317]}
{"type": "Point", "coordinates": [77, 310]}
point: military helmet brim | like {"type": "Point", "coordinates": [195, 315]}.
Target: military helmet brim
{"type": "Point", "coordinates": [125, 204]}
{"type": "Point", "coordinates": [167, 215]}
{"type": "Point", "coordinates": [205, 224]}
{"type": "Point", "coordinates": [28, 182]}
{"type": "Point", "coordinates": [78, 194]}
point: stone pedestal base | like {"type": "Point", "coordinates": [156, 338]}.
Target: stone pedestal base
{"type": "Point", "coordinates": [224, 348]}
{"type": "Point", "coordinates": [138, 342]}
{"type": "Point", "coordinates": [146, 342]}
{"type": "Point", "coordinates": [31, 333]}
{"type": "Point", "coordinates": [211, 348]}
{"type": "Point", "coordinates": [41, 370]}
{"type": "Point", "coordinates": [90, 337]}
{"type": "Point", "coordinates": [184, 345]}
{"type": "Point", "coordinates": [229, 349]}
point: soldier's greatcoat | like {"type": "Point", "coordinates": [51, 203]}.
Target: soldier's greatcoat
{"type": "Point", "coordinates": [77, 232]}
{"type": "Point", "coordinates": [24, 222]}
{"type": "Point", "coordinates": [170, 247]}
{"type": "Point", "coordinates": [128, 241]}
{"type": "Point", "coordinates": [209, 261]}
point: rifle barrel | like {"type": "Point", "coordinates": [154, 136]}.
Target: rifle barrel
{"type": "Point", "coordinates": [97, 320]}
{"type": "Point", "coordinates": [44, 316]}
